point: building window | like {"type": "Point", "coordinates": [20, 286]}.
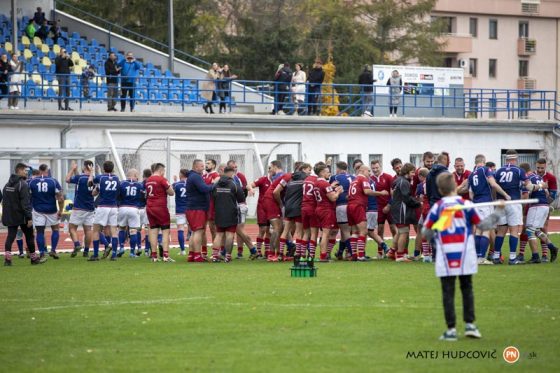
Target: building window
{"type": "Point", "coordinates": [492, 64]}
{"type": "Point", "coordinates": [216, 157]}
{"type": "Point", "coordinates": [376, 157]}
{"type": "Point", "coordinates": [450, 25]}
{"type": "Point", "coordinates": [523, 29]}
{"type": "Point", "coordinates": [351, 158]}
{"type": "Point", "coordinates": [493, 29]}
{"type": "Point", "coordinates": [448, 62]}
{"type": "Point", "coordinates": [473, 62]}
{"type": "Point", "coordinates": [473, 27]}
{"type": "Point", "coordinates": [335, 159]}
{"type": "Point", "coordinates": [416, 159]}
{"type": "Point", "coordinates": [523, 68]}
{"type": "Point", "coordinates": [286, 160]}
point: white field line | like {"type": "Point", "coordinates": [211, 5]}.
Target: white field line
{"type": "Point", "coordinates": [110, 303]}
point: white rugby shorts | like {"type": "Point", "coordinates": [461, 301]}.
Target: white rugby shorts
{"type": "Point", "coordinates": [129, 217]}
{"type": "Point", "coordinates": [41, 219]}
{"type": "Point", "coordinates": [371, 219]}
{"type": "Point", "coordinates": [536, 216]}
{"type": "Point", "coordinates": [81, 217]}
{"type": "Point", "coordinates": [341, 214]}
{"type": "Point", "coordinates": [181, 219]}
{"type": "Point", "coordinates": [513, 216]}
{"type": "Point", "coordinates": [106, 216]}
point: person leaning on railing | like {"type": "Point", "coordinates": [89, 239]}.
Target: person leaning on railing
{"type": "Point", "coordinates": [15, 81]}
{"type": "Point", "coordinates": [129, 71]}
{"type": "Point", "coordinates": [63, 63]}
{"type": "Point", "coordinates": [112, 72]}
{"type": "Point", "coordinates": [224, 86]}
{"type": "Point", "coordinates": [366, 89]}
{"type": "Point", "coordinates": [208, 87]}
{"type": "Point", "coordinates": [315, 79]}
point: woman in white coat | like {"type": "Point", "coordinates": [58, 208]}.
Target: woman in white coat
{"type": "Point", "coordinates": [16, 78]}
{"type": "Point", "coordinates": [298, 87]}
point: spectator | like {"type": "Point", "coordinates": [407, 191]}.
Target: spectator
{"type": "Point", "coordinates": [63, 63]}
{"type": "Point", "coordinates": [30, 30]}
{"type": "Point", "coordinates": [283, 78]}
{"type": "Point", "coordinates": [315, 79]}
{"type": "Point", "coordinates": [129, 72]}
{"type": "Point", "coordinates": [112, 72]}
{"type": "Point", "coordinates": [5, 69]}
{"type": "Point", "coordinates": [224, 86]}
{"type": "Point", "coordinates": [395, 84]}
{"type": "Point", "coordinates": [39, 17]}
{"type": "Point", "coordinates": [208, 87]}
{"type": "Point", "coordinates": [15, 81]}
{"type": "Point", "coordinates": [43, 31]}
{"type": "Point", "coordinates": [87, 75]}
{"type": "Point", "coordinates": [366, 89]}
{"type": "Point", "coordinates": [56, 32]}
{"type": "Point", "coordinates": [298, 87]}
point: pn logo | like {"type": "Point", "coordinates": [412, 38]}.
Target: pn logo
{"type": "Point", "coordinates": [511, 354]}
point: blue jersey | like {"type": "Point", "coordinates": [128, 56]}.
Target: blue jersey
{"type": "Point", "coordinates": [344, 181]}
{"type": "Point", "coordinates": [479, 185]}
{"type": "Point", "coordinates": [83, 199]}
{"type": "Point", "coordinates": [538, 194]}
{"type": "Point", "coordinates": [131, 193]}
{"type": "Point", "coordinates": [43, 194]}
{"type": "Point", "coordinates": [277, 175]}
{"type": "Point", "coordinates": [108, 185]}
{"type": "Point", "coordinates": [372, 200]}
{"type": "Point", "coordinates": [511, 178]}
{"type": "Point", "coordinates": [180, 188]}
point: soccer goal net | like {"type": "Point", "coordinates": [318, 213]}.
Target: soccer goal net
{"type": "Point", "coordinates": [179, 151]}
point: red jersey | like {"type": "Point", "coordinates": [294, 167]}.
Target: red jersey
{"type": "Point", "coordinates": [156, 191]}
{"type": "Point", "coordinates": [263, 183]}
{"type": "Point", "coordinates": [309, 202]}
{"type": "Point", "coordinates": [356, 192]}
{"type": "Point", "coordinates": [459, 179]}
{"type": "Point", "coordinates": [321, 188]}
{"type": "Point", "coordinates": [270, 192]}
{"type": "Point", "coordinates": [382, 182]}
{"type": "Point", "coordinates": [551, 180]}
{"type": "Point", "coordinates": [242, 178]}
{"type": "Point", "coordinates": [209, 177]}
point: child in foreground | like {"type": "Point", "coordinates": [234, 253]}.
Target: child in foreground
{"type": "Point", "coordinates": [455, 253]}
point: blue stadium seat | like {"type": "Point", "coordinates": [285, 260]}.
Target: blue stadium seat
{"type": "Point", "coordinates": [75, 35]}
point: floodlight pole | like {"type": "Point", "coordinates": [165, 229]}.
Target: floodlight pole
{"type": "Point", "coordinates": [171, 43]}
{"type": "Point", "coordinates": [14, 26]}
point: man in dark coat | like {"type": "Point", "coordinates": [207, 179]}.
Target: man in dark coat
{"type": "Point", "coordinates": [315, 78]}
{"type": "Point", "coordinates": [16, 212]}
{"type": "Point", "coordinates": [365, 80]}
{"type": "Point", "coordinates": [63, 63]}
{"type": "Point", "coordinates": [283, 79]}
{"type": "Point", "coordinates": [112, 72]}
{"type": "Point", "coordinates": [227, 194]}
{"type": "Point", "coordinates": [440, 167]}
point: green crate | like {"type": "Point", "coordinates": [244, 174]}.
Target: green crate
{"type": "Point", "coordinates": [303, 271]}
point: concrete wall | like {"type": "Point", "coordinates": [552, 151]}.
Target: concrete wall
{"type": "Point", "coordinates": [26, 7]}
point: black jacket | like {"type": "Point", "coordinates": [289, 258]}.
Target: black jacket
{"type": "Point", "coordinates": [226, 196]}
{"type": "Point", "coordinates": [403, 205]}
{"type": "Point", "coordinates": [316, 76]}
{"type": "Point", "coordinates": [16, 202]}
{"type": "Point", "coordinates": [5, 70]}
{"type": "Point", "coordinates": [431, 187]}
{"type": "Point", "coordinates": [366, 78]}
{"type": "Point", "coordinates": [111, 71]}
{"type": "Point", "coordinates": [63, 65]}
{"type": "Point", "coordinates": [284, 78]}
{"type": "Point", "coordinates": [294, 194]}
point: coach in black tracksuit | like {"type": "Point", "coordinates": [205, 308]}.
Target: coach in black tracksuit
{"type": "Point", "coordinates": [227, 194]}
{"type": "Point", "coordinates": [16, 213]}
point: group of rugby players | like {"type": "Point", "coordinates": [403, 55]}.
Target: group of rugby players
{"type": "Point", "coordinates": [296, 211]}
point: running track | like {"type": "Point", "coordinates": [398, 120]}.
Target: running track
{"type": "Point", "coordinates": [65, 243]}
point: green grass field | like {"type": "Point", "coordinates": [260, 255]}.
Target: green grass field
{"type": "Point", "coordinates": [133, 315]}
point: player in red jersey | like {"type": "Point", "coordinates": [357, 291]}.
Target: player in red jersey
{"type": "Point", "coordinates": [461, 178]}
{"type": "Point", "coordinates": [358, 194]}
{"type": "Point", "coordinates": [382, 182]}
{"type": "Point", "coordinates": [428, 159]}
{"type": "Point", "coordinates": [326, 196]}
{"type": "Point", "coordinates": [209, 176]}
{"type": "Point", "coordinates": [309, 219]}
{"type": "Point", "coordinates": [263, 237]}
{"type": "Point", "coordinates": [157, 190]}
{"type": "Point", "coordinates": [552, 184]}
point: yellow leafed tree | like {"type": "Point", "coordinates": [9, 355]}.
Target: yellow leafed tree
{"type": "Point", "coordinates": [329, 96]}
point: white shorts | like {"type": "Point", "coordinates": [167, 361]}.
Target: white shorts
{"type": "Point", "coordinates": [536, 216]}
{"type": "Point", "coordinates": [143, 217]}
{"type": "Point", "coordinates": [81, 217]}
{"type": "Point", "coordinates": [129, 217]}
{"type": "Point", "coordinates": [513, 216]}
{"type": "Point", "coordinates": [106, 216]}
{"type": "Point", "coordinates": [341, 214]}
{"type": "Point", "coordinates": [181, 218]}
{"type": "Point", "coordinates": [484, 212]}
{"type": "Point", "coordinates": [371, 219]}
{"type": "Point", "coordinates": [44, 220]}
{"type": "Point", "coordinates": [243, 210]}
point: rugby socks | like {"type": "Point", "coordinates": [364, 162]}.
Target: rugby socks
{"type": "Point", "coordinates": [353, 246]}
{"type": "Point", "coordinates": [523, 239]}
{"type": "Point", "coordinates": [484, 243]}
{"type": "Point", "coordinates": [260, 243]}
{"type": "Point", "coordinates": [282, 247]}
{"type": "Point", "coordinates": [204, 251]}
{"type": "Point", "coordinates": [41, 240]}
{"type": "Point", "coordinates": [312, 248]}
{"type": "Point", "coordinates": [133, 243]}
{"type": "Point", "coordinates": [122, 238]}
{"type": "Point", "coordinates": [361, 246]}
{"type": "Point", "coordinates": [139, 240]}
{"type": "Point", "coordinates": [115, 244]}
{"type": "Point", "coordinates": [240, 250]}
{"type": "Point", "coordinates": [19, 243]}
{"type": "Point", "coordinates": [159, 238]}
{"type": "Point", "coordinates": [147, 244]}
{"type": "Point", "coordinates": [498, 243]}
{"type": "Point", "coordinates": [513, 242]}
{"type": "Point", "coordinates": [54, 240]}
{"type": "Point", "coordinates": [215, 252]}
{"type": "Point", "coordinates": [426, 247]}
{"type": "Point", "coordinates": [330, 247]}
{"type": "Point", "coordinates": [267, 247]}
{"type": "Point", "coordinates": [103, 239]}
{"type": "Point", "coordinates": [181, 239]}
{"type": "Point", "coordinates": [95, 248]}
{"type": "Point", "coordinates": [544, 248]}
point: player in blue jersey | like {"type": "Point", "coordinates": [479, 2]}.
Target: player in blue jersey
{"type": "Point", "coordinates": [537, 214]}
{"type": "Point", "coordinates": [342, 178]}
{"type": "Point", "coordinates": [106, 213]}
{"type": "Point", "coordinates": [130, 199]}
{"type": "Point", "coordinates": [83, 208]}
{"type": "Point", "coordinates": [482, 188]}
{"type": "Point", "coordinates": [511, 178]}
{"type": "Point", "coordinates": [180, 188]}
{"type": "Point", "coordinates": [46, 192]}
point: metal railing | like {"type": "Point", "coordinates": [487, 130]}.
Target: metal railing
{"type": "Point", "coordinates": [113, 27]}
{"type": "Point", "coordinates": [353, 99]}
